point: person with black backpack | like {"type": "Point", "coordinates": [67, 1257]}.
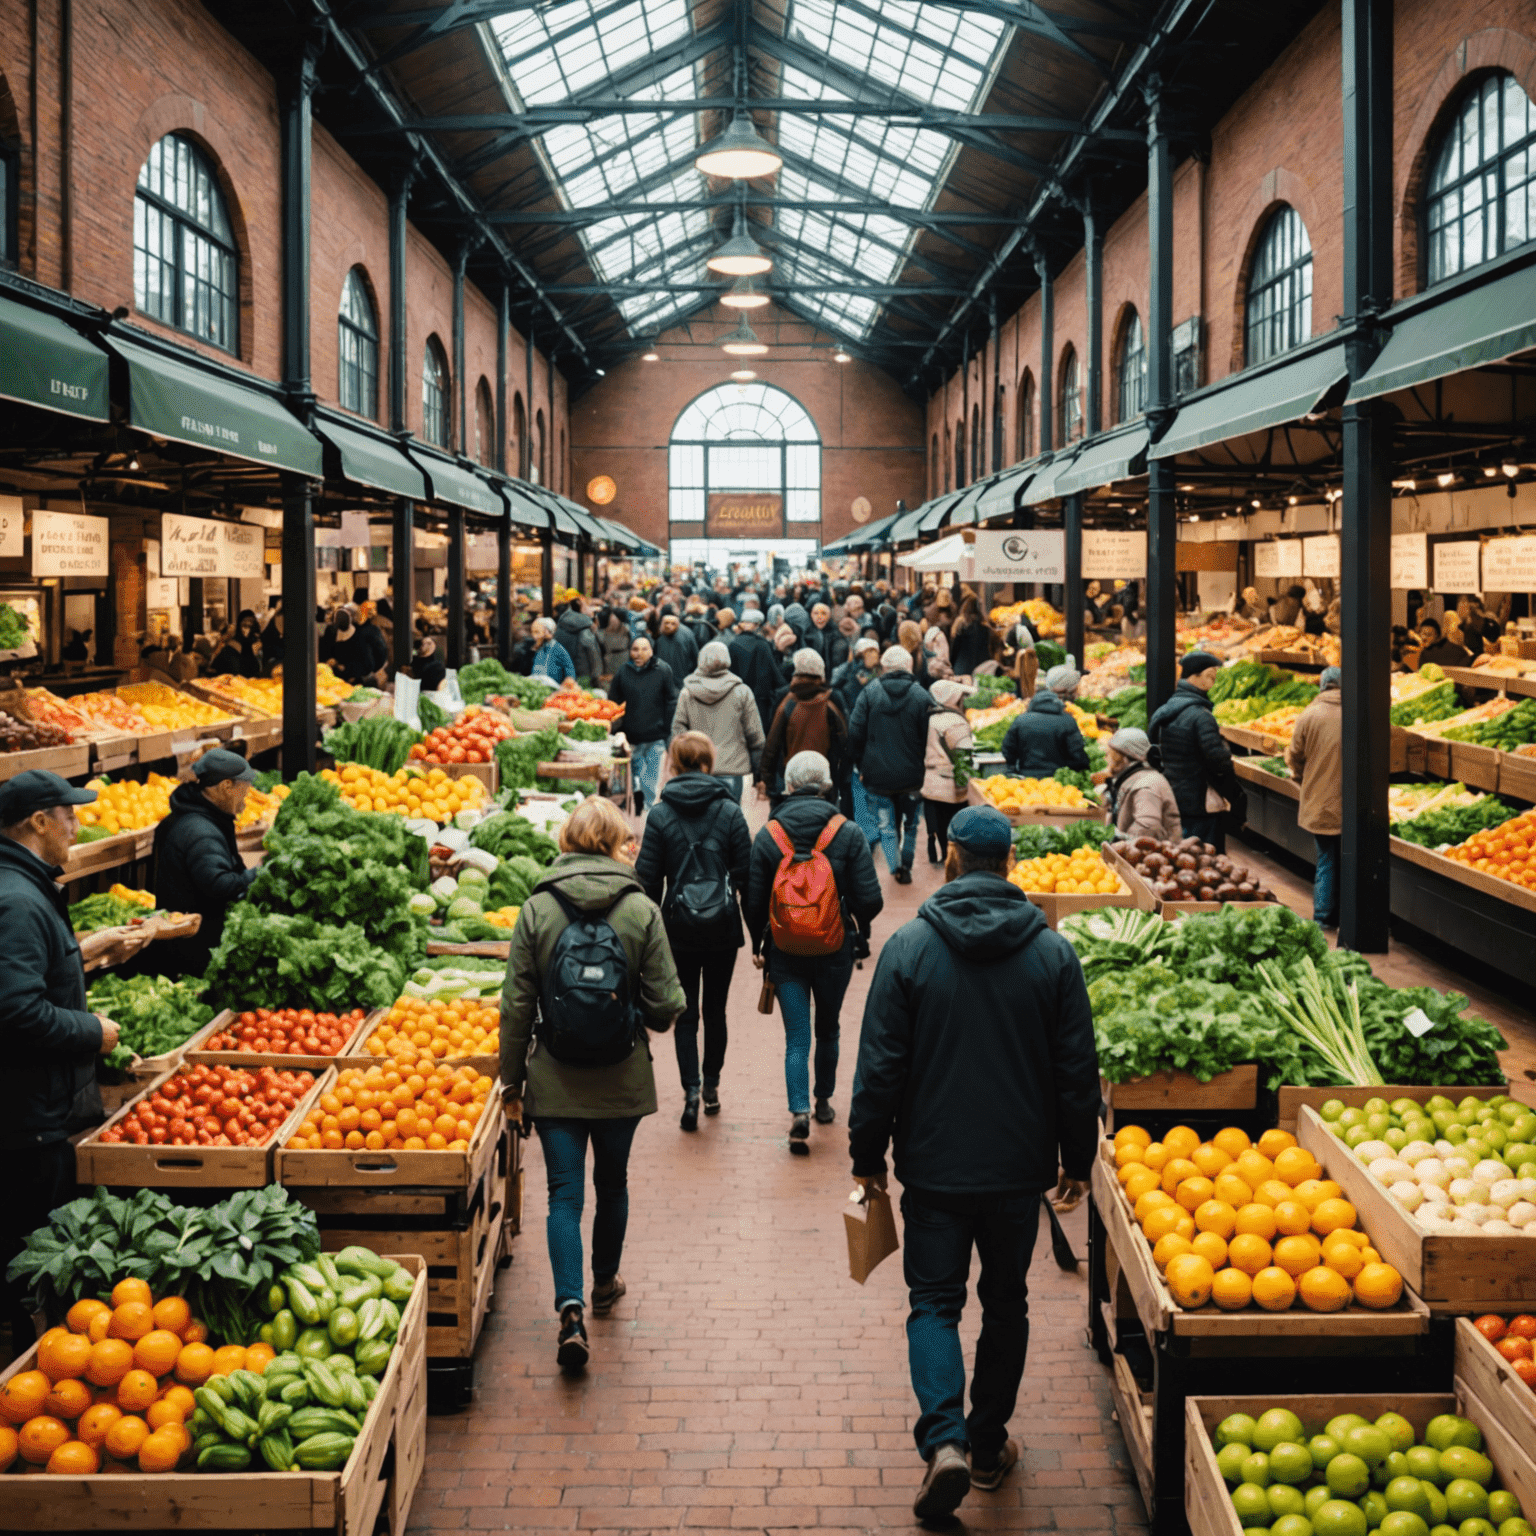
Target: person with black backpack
{"type": "Point", "coordinates": [590, 971]}
{"type": "Point", "coordinates": [696, 844]}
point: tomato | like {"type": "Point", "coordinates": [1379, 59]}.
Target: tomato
{"type": "Point", "coordinates": [1523, 1326]}
{"type": "Point", "coordinates": [1491, 1326]}
{"type": "Point", "coordinates": [1515, 1347]}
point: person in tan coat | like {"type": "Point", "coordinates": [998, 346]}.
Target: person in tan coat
{"type": "Point", "coordinates": [1141, 802]}
{"type": "Point", "coordinates": [1316, 760]}
{"type": "Point", "coordinates": [948, 731]}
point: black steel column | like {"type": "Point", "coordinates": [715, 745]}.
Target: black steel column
{"type": "Point", "coordinates": [1072, 522]}
{"type": "Point", "coordinates": [300, 641]}
{"type": "Point", "coordinates": [1093, 287]}
{"type": "Point", "coordinates": [1365, 541]}
{"type": "Point", "coordinates": [1162, 513]}
{"type": "Point", "coordinates": [297, 171]}
{"type": "Point", "coordinates": [399, 203]}
{"type": "Point", "coordinates": [504, 591]}
{"type": "Point", "coordinates": [402, 579]}
{"type": "Point", "coordinates": [195, 614]}
{"type": "Point", "coordinates": [460, 397]}
{"type": "Point", "coordinates": [1047, 387]}
{"type": "Point", "coordinates": [547, 572]}
{"type": "Point", "coordinates": [455, 657]}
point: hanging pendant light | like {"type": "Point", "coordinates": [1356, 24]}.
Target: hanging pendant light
{"type": "Point", "coordinates": [741, 255]}
{"type": "Point", "coordinates": [743, 294]}
{"type": "Point", "coordinates": [744, 342]}
{"type": "Point", "coordinates": [740, 153]}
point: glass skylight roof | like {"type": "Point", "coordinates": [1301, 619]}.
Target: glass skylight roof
{"type": "Point", "coordinates": [921, 54]}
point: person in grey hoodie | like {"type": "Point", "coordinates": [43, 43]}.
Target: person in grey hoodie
{"type": "Point", "coordinates": [575, 632]}
{"type": "Point", "coordinates": [716, 702]}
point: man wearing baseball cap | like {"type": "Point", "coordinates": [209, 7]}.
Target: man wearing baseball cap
{"type": "Point", "coordinates": [977, 1060]}
{"type": "Point", "coordinates": [198, 867]}
{"type": "Point", "coordinates": [51, 1041]}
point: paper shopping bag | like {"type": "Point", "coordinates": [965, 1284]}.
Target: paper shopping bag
{"type": "Point", "coordinates": [871, 1228]}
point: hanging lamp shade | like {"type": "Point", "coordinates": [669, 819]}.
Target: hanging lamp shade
{"type": "Point", "coordinates": [740, 256]}
{"type": "Point", "coordinates": [743, 294]}
{"type": "Point", "coordinates": [744, 342]}
{"type": "Point", "coordinates": [740, 153]}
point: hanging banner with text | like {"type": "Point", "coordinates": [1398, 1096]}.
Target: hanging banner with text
{"type": "Point", "coordinates": [160, 592]}
{"type": "Point", "coordinates": [199, 546]}
{"type": "Point", "coordinates": [69, 544]}
{"type": "Point", "coordinates": [1320, 555]}
{"type": "Point", "coordinates": [1458, 566]}
{"type": "Point", "coordinates": [13, 521]}
{"type": "Point", "coordinates": [744, 515]}
{"type": "Point", "coordinates": [1410, 561]}
{"type": "Point", "coordinates": [1509, 565]}
{"type": "Point", "coordinates": [1034, 554]}
{"type": "Point", "coordinates": [1277, 558]}
{"type": "Point", "coordinates": [1114, 552]}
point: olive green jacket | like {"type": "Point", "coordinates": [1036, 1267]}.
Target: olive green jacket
{"type": "Point", "coordinates": [590, 882]}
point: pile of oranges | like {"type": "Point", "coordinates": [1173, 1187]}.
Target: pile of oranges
{"type": "Point", "coordinates": [1082, 872]}
{"type": "Point", "coordinates": [1236, 1223]}
{"type": "Point", "coordinates": [1507, 852]}
{"type": "Point", "coordinates": [114, 1385]}
{"type": "Point", "coordinates": [125, 806]}
{"type": "Point", "coordinates": [379, 1108]}
{"type": "Point", "coordinates": [418, 1031]}
{"type": "Point", "coordinates": [408, 792]}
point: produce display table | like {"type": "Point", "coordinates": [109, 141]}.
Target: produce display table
{"type": "Point", "coordinates": [1245, 769]}
{"type": "Point", "coordinates": [1271, 812]}
{"type": "Point", "coordinates": [1518, 684]}
{"type": "Point", "coordinates": [1167, 1099]}
{"type": "Point", "coordinates": [67, 762]}
{"type": "Point", "coordinates": [86, 859]}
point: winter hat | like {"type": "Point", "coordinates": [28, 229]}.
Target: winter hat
{"type": "Point", "coordinates": [1063, 679]}
{"type": "Point", "coordinates": [714, 659]}
{"type": "Point", "coordinates": [751, 615]}
{"type": "Point", "coordinates": [1332, 677]}
{"type": "Point", "coordinates": [1130, 741]}
{"type": "Point", "coordinates": [897, 659]}
{"type": "Point", "coordinates": [809, 664]}
{"type": "Point", "coordinates": [982, 829]}
{"type": "Point", "coordinates": [948, 692]}
{"type": "Point", "coordinates": [1198, 661]}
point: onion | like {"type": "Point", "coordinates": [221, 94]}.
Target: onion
{"type": "Point", "coordinates": [1469, 1228]}
{"type": "Point", "coordinates": [1458, 1167]}
{"type": "Point", "coordinates": [1415, 1152]}
{"type": "Point", "coordinates": [1369, 1151]}
{"type": "Point", "coordinates": [1489, 1171]}
{"type": "Point", "coordinates": [1432, 1171]}
{"type": "Point", "coordinates": [1390, 1169]}
{"type": "Point", "coordinates": [1504, 1193]}
{"type": "Point", "coordinates": [1497, 1228]}
{"type": "Point", "coordinates": [1521, 1214]}
{"type": "Point", "coordinates": [1476, 1212]}
{"type": "Point", "coordinates": [1408, 1195]}
{"type": "Point", "coordinates": [1464, 1190]}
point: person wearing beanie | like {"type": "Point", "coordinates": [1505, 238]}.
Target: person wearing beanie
{"type": "Point", "coordinates": [754, 661]}
{"type": "Point", "coordinates": [948, 733]}
{"type": "Point", "coordinates": [715, 702]}
{"type": "Point", "coordinates": [977, 1066]}
{"type": "Point", "coordinates": [1316, 760]}
{"type": "Point", "coordinates": [1063, 681]}
{"type": "Point", "coordinates": [1045, 737]}
{"type": "Point", "coordinates": [1138, 797]}
{"type": "Point", "coordinates": [806, 720]}
{"type": "Point", "coordinates": [1196, 761]}
{"type": "Point", "coordinates": [888, 736]}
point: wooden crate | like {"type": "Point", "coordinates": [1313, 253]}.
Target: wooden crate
{"type": "Point", "coordinates": [1281, 786]}
{"type": "Point", "coordinates": [124, 1166]}
{"type": "Point", "coordinates": [110, 754]}
{"type": "Point", "coordinates": [1291, 1099]}
{"type": "Point", "coordinates": [1475, 766]}
{"type": "Point", "coordinates": [1415, 751]}
{"type": "Point", "coordinates": [487, 773]}
{"type": "Point", "coordinates": [379, 1479]}
{"type": "Point", "coordinates": [1505, 1397]}
{"type": "Point", "coordinates": [1057, 907]}
{"type": "Point", "coordinates": [144, 1070]}
{"type": "Point", "coordinates": [68, 762]}
{"type": "Point", "coordinates": [105, 853]}
{"type": "Point", "coordinates": [198, 1056]}
{"type": "Point", "coordinates": [1038, 815]}
{"type": "Point", "coordinates": [1145, 900]}
{"type": "Point", "coordinates": [1236, 1089]}
{"type": "Point", "coordinates": [1437, 757]}
{"type": "Point", "coordinates": [1397, 749]}
{"type": "Point", "coordinates": [1254, 741]}
{"type": "Point", "coordinates": [487, 949]}
{"type": "Point", "coordinates": [1464, 874]}
{"type": "Point", "coordinates": [1517, 776]}
{"type": "Point", "coordinates": [1208, 1505]}
{"type": "Point", "coordinates": [1452, 1272]}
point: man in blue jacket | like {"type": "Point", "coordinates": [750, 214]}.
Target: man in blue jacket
{"type": "Point", "coordinates": [977, 1060]}
{"type": "Point", "coordinates": [51, 1041]}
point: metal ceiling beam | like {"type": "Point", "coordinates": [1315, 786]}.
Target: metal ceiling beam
{"type": "Point", "coordinates": [597, 212]}
{"type": "Point", "coordinates": [628, 289]}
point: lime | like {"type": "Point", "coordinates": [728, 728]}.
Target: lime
{"type": "Point", "coordinates": [1518, 1152]}
{"type": "Point", "coordinates": [1446, 1430]}
{"type": "Point", "coordinates": [1277, 1425]}
{"type": "Point", "coordinates": [1424, 1462]}
{"type": "Point", "coordinates": [1316, 1498]}
{"type": "Point", "coordinates": [1235, 1429]}
{"type": "Point", "coordinates": [1285, 1500]}
{"type": "Point", "coordinates": [1396, 1465]}
{"type": "Point", "coordinates": [1348, 1476]}
{"type": "Point", "coordinates": [1460, 1462]}
{"type": "Point", "coordinates": [1477, 1528]}
{"type": "Point", "coordinates": [1438, 1511]}
{"type": "Point", "coordinates": [1338, 1517]}
{"type": "Point", "coordinates": [1293, 1525]}
{"type": "Point", "coordinates": [1229, 1460]}
{"type": "Point", "coordinates": [1340, 1422]}
{"type": "Point", "coordinates": [1407, 1493]}
{"type": "Point", "coordinates": [1502, 1506]}
{"type": "Point", "coordinates": [1256, 1468]}
{"type": "Point", "coordinates": [1369, 1443]}
{"type": "Point", "coordinates": [1250, 1503]}
{"type": "Point", "coordinates": [1323, 1449]}
{"type": "Point", "coordinates": [1396, 1138]}
{"type": "Point", "coordinates": [1376, 1105]}
{"type": "Point", "coordinates": [1358, 1134]}
{"type": "Point", "coordinates": [1352, 1117]}
{"type": "Point", "coordinates": [1398, 1430]}
{"type": "Point", "coordinates": [1466, 1499]}
{"type": "Point", "coordinates": [1403, 1522]}
{"type": "Point", "coordinates": [1331, 1110]}
{"type": "Point", "coordinates": [1290, 1463]}
{"type": "Point", "coordinates": [1516, 1527]}
{"type": "Point", "coordinates": [1455, 1132]}
{"type": "Point", "coordinates": [1442, 1530]}
{"type": "Point", "coordinates": [1255, 1530]}
{"type": "Point", "coordinates": [1375, 1508]}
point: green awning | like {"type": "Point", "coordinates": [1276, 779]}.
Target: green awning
{"type": "Point", "coordinates": [373, 461]}
{"type": "Point", "coordinates": [1043, 486]}
{"type": "Point", "coordinates": [1001, 496]}
{"type": "Point", "coordinates": [524, 508]}
{"type": "Point", "coordinates": [619, 536]}
{"type": "Point", "coordinates": [870, 536]}
{"type": "Point", "coordinates": [1114, 456]}
{"type": "Point", "coordinates": [187, 404]}
{"type": "Point", "coordinates": [1482, 324]}
{"type": "Point", "coordinates": [1254, 401]}
{"type": "Point", "coordinates": [456, 486]}
{"type": "Point", "coordinates": [46, 362]}
{"type": "Point", "coordinates": [962, 509]}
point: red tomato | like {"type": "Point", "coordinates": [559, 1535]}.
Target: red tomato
{"type": "Point", "coordinates": [1491, 1326]}
{"type": "Point", "coordinates": [1515, 1347]}
{"type": "Point", "coordinates": [1523, 1326]}
{"type": "Point", "coordinates": [1526, 1371]}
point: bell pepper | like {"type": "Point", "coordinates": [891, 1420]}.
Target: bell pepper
{"type": "Point", "coordinates": [372, 1355]}
{"type": "Point", "coordinates": [359, 1291]}
{"type": "Point", "coordinates": [397, 1287]}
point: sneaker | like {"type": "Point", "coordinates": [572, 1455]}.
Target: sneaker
{"type": "Point", "coordinates": [799, 1135]}
{"type": "Point", "coordinates": [605, 1296]}
{"type": "Point", "coordinates": [989, 1479]}
{"type": "Point", "coordinates": [945, 1484]}
{"type": "Point", "coordinates": [825, 1114]}
{"type": "Point", "coordinates": [903, 877]}
{"type": "Point", "coordinates": [690, 1119]}
{"type": "Point", "coordinates": [711, 1101]}
{"type": "Point", "coordinates": [571, 1352]}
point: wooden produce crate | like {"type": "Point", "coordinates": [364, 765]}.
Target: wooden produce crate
{"type": "Point", "coordinates": [377, 1483]}
{"type": "Point", "coordinates": [1235, 1089]}
{"type": "Point", "coordinates": [1464, 874]}
{"type": "Point", "coordinates": [68, 762]}
{"type": "Point", "coordinates": [1038, 815]}
{"type": "Point", "coordinates": [1517, 776]}
{"type": "Point", "coordinates": [1452, 1272]}
{"type": "Point", "coordinates": [110, 754]}
{"type": "Point", "coordinates": [487, 773]}
{"type": "Point", "coordinates": [107, 853]}
{"type": "Point", "coordinates": [1505, 1397]}
{"type": "Point", "coordinates": [1414, 753]}
{"type": "Point", "coordinates": [1254, 741]}
{"type": "Point", "coordinates": [197, 1055]}
{"type": "Point", "coordinates": [124, 1166]}
{"type": "Point", "coordinates": [1057, 907]}
{"type": "Point", "coordinates": [1291, 1099]}
{"type": "Point", "coordinates": [1437, 757]}
{"type": "Point", "coordinates": [1475, 766]}
{"type": "Point", "coordinates": [1397, 749]}
{"type": "Point", "coordinates": [487, 949]}
{"type": "Point", "coordinates": [1281, 786]}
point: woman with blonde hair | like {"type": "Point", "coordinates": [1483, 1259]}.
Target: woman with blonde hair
{"type": "Point", "coordinates": [590, 972]}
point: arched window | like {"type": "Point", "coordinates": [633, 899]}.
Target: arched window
{"type": "Point", "coordinates": [1133, 369]}
{"type": "Point", "coordinates": [960, 454]}
{"type": "Point", "coordinates": [185, 269]}
{"type": "Point", "coordinates": [357, 348]}
{"type": "Point", "coordinates": [1071, 408]}
{"type": "Point", "coordinates": [519, 437]}
{"type": "Point", "coordinates": [1026, 416]}
{"type": "Point", "coordinates": [976, 454]}
{"type": "Point", "coordinates": [434, 393]}
{"type": "Point", "coordinates": [1481, 197]}
{"type": "Point", "coordinates": [536, 471]}
{"type": "Point", "coordinates": [744, 438]}
{"type": "Point", "coordinates": [485, 424]}
{"type": "Point", "coordinates": [1280, 287]}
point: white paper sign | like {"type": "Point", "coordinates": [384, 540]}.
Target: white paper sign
{"type": "Point", "coordinates": [160, 592]}
{"type": "Point", "coordinates": [12, 525]}
{"type": "Point", "coordinates": [1320, 555]}
{"type": "Point", "coordinates": [354, 530]}
{"type": "Point", "coordinates": [200, 546]}
{"type": "Point", "coordinates": [1021, 554]}
{"type": "Point", "coordinates": [1458, 566]}
{"type": "Point", "coordinates": [1509, 565]}
{"type": "Point", "coordinates": [69, 544]}
{"type": "Point", "coordinates": [1114, 552]}
{"type": "Point", "coordinates": [1277, 558]}
{"type": "Point", "coordinates": [482, 552]}
{"type": "Point", "coordinates": [1418, 1023]}
{"type": "Point", "coordinates": [1410, 561]}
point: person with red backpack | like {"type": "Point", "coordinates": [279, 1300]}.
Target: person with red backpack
{"type": "Point", "coordinates": [807, 720]}
{"type": "Point", "coordinates": [812, 894]}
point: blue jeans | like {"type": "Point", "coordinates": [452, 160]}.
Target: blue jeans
{"type": "Point", "coordinates": [863, 817]}
{"type": "Point", "coordinates": [826, 985]}
{"type": "Point", "coordinates": [565, 1163]}
{"type": "Point", "coordinates": [1325, 882]}
{"type": "Point", "coordinates": [646, 766]}
{"type": "Point", "coordinates": [896, 822]}
{"type": "Point", "coordinates": [937, 1262]}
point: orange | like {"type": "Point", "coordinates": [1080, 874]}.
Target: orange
{"type": "Point", "coordinates": [172, 1313]}
{"type": "Point", "coordinates": [1169, 1247]}
{"type": "Point", "coordinates": [1190, 1279]}
{"type": "Point", "coordinates": [1298, 1253]}
{"type": "Point", "coordinates": [1127, 1152]}
{"type": "Point", "coordinates": [1235, 1191]}
{"type": "Point", "coordinates": [1368, 1255]}
{"type": "Point", "coordinates": [136, 1391]}
{"type": "Point", "coordinates": [40, 1437]}
{"type": "Point", "coordinates": [1258, 1219]}
{"type": "Point", "coordinates": [110, 1361]}
{"type": "Point", "coordinates": [1253, 1168]}
{"type": "Point", "coordinates": [1249, 1253]}
{"type": "Point", "coordinates": [194, 1365]}
{"type": "Point", "coordinates": [1231, 1290]}
{"type": "Point", "coordinates": [228, 1359]}
{"type": "Point", "coordinates": [1150, 1201]}
{"type": "Point", "coordinates": [79, 1316]}
{"type": "Point", "coordinates": [1143, 1180]}
{"type": "Point", "coordinates": [258, 1357]}
{"type": "Point", "coordinates": [165, 1412]}
{"type": "Point", "coordinates": [1292, 1218]}
{"type": "Point", "coordinates": [179, 1430]}
{"type": "Point", "coordinates": [74, 1459]}
{"type": "Point", "coordinates": [1159, 1223]}
{"type": "Point", "coordinates": [23, 1396]}
{"type": "Point", "coordinates": [1211, 1248]}
{"type": "Point", "coordinates": [1271, 1192]}
{"type": "Point", "coordinates": [69, 1399]}
{"type": "Point", "coordinates": [131, 1290]}
{"type": "Point", "coordinates": [1232, 1140]}
{"type": "Point", "coordinates": [1193, 1192]}
{"type": "Point", "coordinates": [1330, 1215]}
{"type": "Point", "coordinates": [1378, 1285]}
{"type": "Point", "coordinates": [1186, 1225]}
{"type": "Point", "coordinates": [1176, 1170]}
{"type": "Point", "coordinates": [156, 1352]}
{"type": "Point", "coordinates": [1273, 1142]}
{"type": "Point", "coordinates": [1296, 1164]}
{"type": "Point", "coordinates": [1348, 1235]}
{"type": "Point", "coordinates": [1210, 1160]}
{"type": "Point", "coordinates": [125, 1437]}
{"type": "Point", "coordinates": [1311, 1192]}
{"type": "Point", "coordinates": [1181, 1141]}
{"type": "Point", "coordinates": [1217, 1217]}
{"type": "Point", "coordinates": [196, 1332]}
{"type": "Point", "coordinates": [100, 1322]}
{"type": "Point", "coordinates": [9, 1446]}
{"type": "Point", "coordinates": [96, 1421]}
{"type": "Point", "coordinates": [160, 1452]}
{"type": "Point", "coordinates": [1132, 1133]}
{"type": "Point", "coordinates": [131, 1320]}
{"type": "Point", "coordinates": [61, 1354]}
{"type": "Point", "coordinates": [1273, 1289]}
{"type": "Point", "coordinates": [181, 1399]}
{"type": "Point", "coordinates": [1323, 1289]}
{"type": "Point", "coordinates": [1154, 1156]}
